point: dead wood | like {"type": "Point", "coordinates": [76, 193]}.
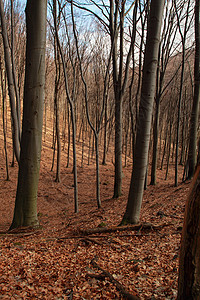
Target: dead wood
{"type": "Point", "coordinates": [91, 240]}
{"type": "Point", "coordinates": [118, 285]}
{"type": "Point", "coordinates": [100, 276]}
{"type": "Point", "coordinates": [141, 226]}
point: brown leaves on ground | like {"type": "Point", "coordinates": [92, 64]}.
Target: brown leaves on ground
{"type": "Point", "coordinates": [54, 261]}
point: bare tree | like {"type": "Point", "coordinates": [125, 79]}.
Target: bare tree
{"type": "Point", "coordinates": [136, 190]}
{"type": "Point", "coordinates": [182, 13]}
{"type": "Point", "coordinates": [25, 212]}
{"type": "Point", "coordinates": [70, 96]}
{"type": "Point", "coordinates": [95, 130]}
{"type": "Point", "coordinates": [192, 154]}
{"type": "Point", "coordinates": [11, 89]}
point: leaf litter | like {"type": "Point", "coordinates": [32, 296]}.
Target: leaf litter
{"type": "Point", "coordinates": [55, 260]}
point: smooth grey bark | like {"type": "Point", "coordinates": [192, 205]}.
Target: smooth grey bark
{"type": "Point", "coordinates": [136, 190]}
{"type": "Point", "coordinates": [25, 212]}
{"type": "Point", "coordinates": [11, 89]}
{"type": "Point", "coordinates": [169, 32]}
{"type": "Point", "coordinates": [189, 262]}
{"type": "Point", "coordinates": [192, 154]}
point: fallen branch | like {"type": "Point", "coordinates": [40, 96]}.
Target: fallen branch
{"type": "Point", "coordinates": [110, 229]}
{"type": "Point", "coordinates": [96, 276]}
{"type": "Point", "coordinates": [91, 240]}
{"type": "Point", "coordinates": [118, 285]}
{"type": "Point", "coordinates": [144, 226]}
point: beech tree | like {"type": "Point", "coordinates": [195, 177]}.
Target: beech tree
{"type": "Point", "coordinates": [25, 212]}
{"type": "Point", "coordinates": [189, 263]}
{"type": "Point", "coordinates": [11, 89]}
{"type": "Point", "coordinates": [140, 160]}
{"type": "Point", "coordinates": [192, 155]}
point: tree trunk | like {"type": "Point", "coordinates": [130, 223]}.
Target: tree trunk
{"type": "Point", "coordinates": [136, 190]}
{"type": "Point", "coordinates": [105, 132]}
{"type": "Point", "coordinates": [118, 147]}
{"type": "Point", "coordinates": [97, 171]}
{"type": "Point", "coordinates": [192, 155]}
{"type": "Point", "coordinates": [3, 91]}
{"type": "Point", "coordinates": [155, 142]}
{"type": "Point", "coordinates": [25, 213]}
{"type": "Point", "coordinates": [189, 264]}
{"type": "Point", "coordinates": [10, 83]}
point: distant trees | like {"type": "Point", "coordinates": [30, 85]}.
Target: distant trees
{"type": "Point", "coordinates": [93, 87]}
{"type": "Point", "coordinates": [25, 213]}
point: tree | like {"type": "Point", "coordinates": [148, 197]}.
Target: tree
{"type": "Point", "coordinates": [96, 130]}
{"type": "Point", "coordinates": [145, 113]}
{"type": "Point", "coordinates": [169, 31]}
{"type": "Point", "coordinates": [113, 17]}
{"type": "Point", "coordinates": [183, 30]}
{"type": "Point", "coordinates": [9, 71]}
{"type": "Point", "coordinates": [192, 155]}
{"type": "Point", "coordinates": [70, 95]}
{"type": "Point", "coordinates": [25, 212]}
{"type": "Point", "coordinates": [189, 263]}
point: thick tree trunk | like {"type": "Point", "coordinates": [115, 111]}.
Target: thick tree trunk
{"type": "Point", "coordinates": [25, 213]}
{"type": "Point", "coordinates": [133, 208]}
{"type": "Point", "coordinates": [192, 155]}
{"type": "Point", "coordinates": [189, 265]}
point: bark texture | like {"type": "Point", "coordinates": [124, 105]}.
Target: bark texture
{"type": "Point", "coordinates": [189, 265]}
{"type": "Point", "coordinates": [25, 213]}
{"type": "Point", "coordinates": [192, 155]}
{"type": "Point", "coordinates": [133, 208]}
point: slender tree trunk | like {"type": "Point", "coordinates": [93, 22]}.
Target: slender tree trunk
{"type": "Point", "coordinates": [178, 118]}
{"type": "Point", "coordinates": [56, 110]}
{"type": "Point", "coordinates": [105, 132]}
{"type": "Point", "coordinates": [69, 135]}
{"type": "Point", "coordinates": [3, 90]}
{"type": "Point", "coordinates": [18, 106]}
{"type": "Point", "coordinates": [169, 149]}
{"type": "Point", "coordinates": [136, 190]}
{"type": "Point", "coordinates": [118, 147]}
{"type": "Point", "coordinates": [155, 142]}
{"type": "Point", "coordinates": [11, 89]}
{"type": "Point", "coordinates": [97, 171]}
{"type": "Point", "coordinates": [25, 213]}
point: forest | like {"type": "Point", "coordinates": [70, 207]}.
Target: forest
{"type": "Point", "coordinates": [100, 149]}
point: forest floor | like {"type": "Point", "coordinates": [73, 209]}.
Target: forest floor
{"type": "Point", "coordinates": [57, 261]}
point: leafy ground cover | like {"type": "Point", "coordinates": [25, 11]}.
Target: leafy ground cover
{"type": "Point", "coordinates": [59, 261]}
